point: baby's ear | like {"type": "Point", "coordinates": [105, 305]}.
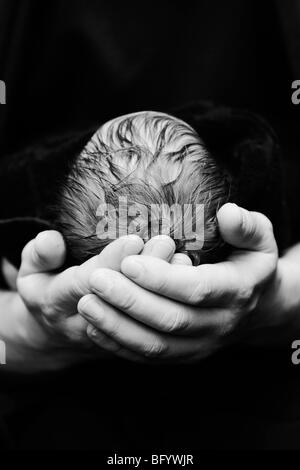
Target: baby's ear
{"type": "Point", "coordinates": [15, 233]}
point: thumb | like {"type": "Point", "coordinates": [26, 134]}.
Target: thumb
{"type": "Point", "coordinates": [247, 230]}
{"type": "Point", "coordinates": [45, 253]}
{"type": "Point", "coordinates": [73, 283]}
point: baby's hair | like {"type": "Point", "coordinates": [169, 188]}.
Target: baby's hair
{"type": "Point", "coordinates": [148, 158]}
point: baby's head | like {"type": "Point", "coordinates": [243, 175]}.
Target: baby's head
{"type": "Point", "coordinates": [146, 173]}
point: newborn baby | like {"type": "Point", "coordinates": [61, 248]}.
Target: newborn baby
{"type": "Point", "coordinates": [146, 173]}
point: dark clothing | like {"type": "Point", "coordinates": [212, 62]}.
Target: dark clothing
{"type": "Point", "coordinates": [34, 176]}
{"type": "Point", "coordinates": [71, 65]}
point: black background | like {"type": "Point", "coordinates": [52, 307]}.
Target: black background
{"type": "Point", "coordinates": [72, 64]}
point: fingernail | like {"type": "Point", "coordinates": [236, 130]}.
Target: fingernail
{"type": "Point", "coordinates": [162, 248]}
{"type": "Point", "coordinates": [92, 312]}
{"type": "Point", "coordinates": [133, 245]}
{"type": "Point", "coordinates": [132, 268]}
{"type": "Point", "coordinates": [91, 331]}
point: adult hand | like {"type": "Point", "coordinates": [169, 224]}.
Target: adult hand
{"type": "Point", "coordinates": [51, 298]}
{"type": "Point", "coordinates": [154, 309]}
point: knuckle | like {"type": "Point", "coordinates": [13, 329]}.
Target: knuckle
{"type": "Point", "coordinates": [154, 349]}
{"type": "Point", "coordinates": [78, 337]}
{"type": "Point", "coordinates": [250, 304]}
{"type": "Point", "coordinates": [202, 291]}
{"type": "Point", "coordinates": [96, 337]}
{"type": "Point", "coordinates": [126, 302]}
{"type": "Point", "coordinates": [48, 310]}
{"type": "Point", "coordinates": [245, 294]}
{"type": "Point", "coordinates": [177, 322]}
{"type": "Point", "coordinates": [227, 323]}
{"type": "Point", "coordinates": [160, 284]}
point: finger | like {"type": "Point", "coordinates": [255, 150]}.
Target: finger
{"type": "Point", "coordinates": [160, 246]}
{"type": "Point", "coordinates": [76, 279]}
{"type": "Point", "coordinates": [122, 330]}
{"type": "Point", "coordinates": [74, 328]}
{"type": "Point", "coordinates": [66, 288]}
{"type": "Point", "coordinates": [102, 340]}
{"type": "Point", "coordinates": [45, 253]}
{"type": "Point", "coordinates": [135, 336]}
{"type": "Point", "coordinates": [189, 284]}
{"type": "Point", "coordinates": [248, 230]}
{"type": "Point", "coordinates": [153, 310]}
{"type": "Point", "coordinates": [114, 253]}
{"type": "Point", "coordinates": [108, 344]}
{"type": "Point", "coordinates": [181, 258]}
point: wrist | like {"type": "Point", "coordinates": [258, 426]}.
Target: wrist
{"type": "Point", "coordinates": [278, 311]}
{"type": "Point", "coordinates": [29, 347]}
{"type": "Point", "coordinates": [284, 296]}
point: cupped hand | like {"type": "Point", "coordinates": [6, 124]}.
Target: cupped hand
{"type": "Point", "coordinates": [52, 297]}
{"type": "Point", "coordinates": [155, 309]}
